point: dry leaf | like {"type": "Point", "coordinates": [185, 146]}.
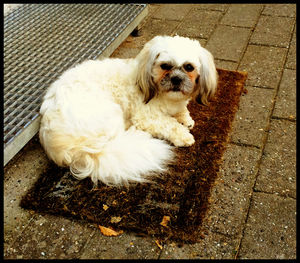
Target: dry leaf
{"type": "Point", "coordinates": [105, 207]}
{"type": "Point", "coordinates": [109, 232]}
{"type": "Point", "coordinates": [158, 244]}
{"type": "Point", "coordinates": [165, 221]}
{"type": "Point", "coordinates": [115, 219]}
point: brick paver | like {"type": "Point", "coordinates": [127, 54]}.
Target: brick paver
{"type": "Point", "coordinates": [232, 45]}
{"type": "Point", "coordinates": [243, 15]}
{"type": "Point", "coordinates": [172, 12]}
{"type": "Point", "coordinates": [213, 246]}
{"type": "Point", "coordinates": [236, 178]}
{"type": "Point", "coordinates": [278, 168]}
{"type": "Point", "coordinates": [250, 128]}
{"type": "Point", "coordinates": [280, 10]}
{"type": "Point", "coordinates": [268, 235]}
{"type": "Point", "coordinates": [285, 106]}
{"type": "Point", "coordinates": [291, 59]}
{"type": "Point", "coordinates": [199, 23]}
{"type": "Point", "coordinates": [127, 246]}
{"type": "Point", "coordinates": [264, 65]}
{"type": "Point", "coordinates": [275, 31]}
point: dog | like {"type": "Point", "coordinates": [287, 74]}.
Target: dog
{"type": "Point", "coordinates": [117, 120]}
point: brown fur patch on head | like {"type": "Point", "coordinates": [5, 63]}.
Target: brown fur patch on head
{"type": "Point", "coordinates": [208, 79]}
{"type": "Point", "coordinates": [195, 94]}
{"type": "Point", "coordinates": [145, 81]}
{"type": "Point", "coordinates": [193, 76]}
{"type": "Point", "coordinates": [205, 90]}
{"type": "Point", "coordinates": [151, 92]}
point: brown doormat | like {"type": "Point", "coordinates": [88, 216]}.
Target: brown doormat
{"type": "Point", "coordinates": [171, 208]}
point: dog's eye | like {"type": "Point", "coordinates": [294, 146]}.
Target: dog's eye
{"type": "Point", "coordinates": [166, 66]}
{"type": "Point", "coordinates": [188, 67]}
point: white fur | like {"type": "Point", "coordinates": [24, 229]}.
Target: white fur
{"type": "Point", "coordinates": [95, 119]}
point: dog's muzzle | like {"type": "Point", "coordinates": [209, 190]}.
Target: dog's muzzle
{"type": "Point", "coordinates": [176, 82]}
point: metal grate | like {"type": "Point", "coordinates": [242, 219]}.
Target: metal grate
{"type": "Point", "coordinates": [41, 41]}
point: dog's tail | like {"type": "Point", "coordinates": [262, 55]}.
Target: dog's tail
{"type": "Point", "coordinates": [131, 156]}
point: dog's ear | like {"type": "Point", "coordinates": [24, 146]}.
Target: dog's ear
{"type": "Point", "coordinates": [208, 77]}
{"type": "Point", "coordinates": [146, 59]}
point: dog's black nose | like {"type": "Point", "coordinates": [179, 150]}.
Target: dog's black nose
{"type": "Point", "coordinates": [176, 80]}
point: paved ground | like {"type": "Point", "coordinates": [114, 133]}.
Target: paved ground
{"type": "Point", "coordinates": [253, 212]}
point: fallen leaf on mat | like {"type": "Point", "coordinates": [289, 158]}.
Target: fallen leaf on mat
{"type": "Point", "coordinates": [165, 221]}
{"type": "Point", "coordinates": [115, 219]}
{"type": "Point", "coordinates": [158, 244]}
{"type": "Point", "coordinates": [109, 232]}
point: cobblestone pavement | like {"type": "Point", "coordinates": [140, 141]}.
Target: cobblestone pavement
{"type": "Point", "coordinates": [253, 212]}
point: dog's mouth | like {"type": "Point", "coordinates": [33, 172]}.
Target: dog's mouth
{"type": "Point", "coordinates": [176, 84]}
{"type": "Point", "coordinates": [181, 89]}
{"type": "Point", "coordinates": [176, 89]}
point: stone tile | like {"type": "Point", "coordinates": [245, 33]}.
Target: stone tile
{"type": "Point", "coordinates": [130, 42]}
{"type": "Point", "coordinates": [230, 196]}
{"type": "Point", "coordinates": [132, 46]}
{"type": "Point", "coordinates": [285, 106]}
{"type": "Point", "coordinates": [199, 23]}
{"type": "Point", "coordinates": [280, 10]}
{"type": "Point", "coordinates": [228, 42]}
{"type": "Point", "coordinates": [277, 172]}
{"type": "Point", "coordinates": [263, 64]}
{"type": "Point", "coordinates": [213, 246]}
{"type": "Point", "coordinates": [129, 48]}
{"type": "Point", "coordinates": [244, 15]}
{"type": "Point", "coordinates": [152, 9]}
{"type": "Point", "coordinates": [270, 231]}
{"type": "Point", "coordinates": [215, 7]}
{"type": "Point", "coordinates": [172, 11]}
{"type": "Point", "coordinates": [125, 53]}
{"type": "Point", "coordinates": [226, 64]}
{"type": "Point", "coordinates": [251, 119]}
{"type": "Point", "coordinates": [19, 175]}
{"type": "Point", "coordinates": [274, 31]}
{"type": "Point", "coordinates": [50, 237]}
{"type": "Point", "coordinates": [125, 246]}
{"type": "Point", "coordinates": [202, 41]}
{"type": "Point", "coordinates": [152, 28]}
{"type": "Point", "coordinates": [291, 58]}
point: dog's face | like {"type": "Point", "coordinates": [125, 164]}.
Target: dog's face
{"type": "Point", "coordinates": [176, 79]}
{"type": "Point", "coordinates": [177, 67]}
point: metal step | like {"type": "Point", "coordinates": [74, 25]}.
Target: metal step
{"type": "Point", "coordinates": [43, 40]}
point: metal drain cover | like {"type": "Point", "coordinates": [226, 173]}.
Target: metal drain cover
{"type": "Point", "coordinates": [43, 40]}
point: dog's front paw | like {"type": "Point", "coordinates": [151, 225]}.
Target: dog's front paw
{"type": "Point", "coordinates": [189, 123]}
{"type": "Point", "coordinates": [184, 141]}
{"type": "Point", "coordinates": [186, 120]}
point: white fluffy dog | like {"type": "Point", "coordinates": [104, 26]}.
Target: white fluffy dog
{"type": "Point", "coordinates": [99, 117]}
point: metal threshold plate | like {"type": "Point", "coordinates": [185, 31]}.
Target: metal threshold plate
{"type": "Point", "coordinates": [43, 40]}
